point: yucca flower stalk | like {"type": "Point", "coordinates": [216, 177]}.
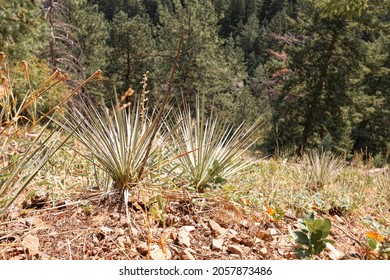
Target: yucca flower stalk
{"type": "Point", "coordinates": [209, 151]}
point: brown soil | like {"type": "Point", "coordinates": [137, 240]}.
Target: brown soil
{"type": "Point", "coordinates": [195, 228]}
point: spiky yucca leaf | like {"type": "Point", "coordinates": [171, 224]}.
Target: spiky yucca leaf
{"type": "Point", "coordinates": [208, 150]}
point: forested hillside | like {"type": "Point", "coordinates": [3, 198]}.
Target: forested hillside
{"type": "Point", "coordinates": [319, 71]}
{"type": "Point", "coordinates": [197, 130]}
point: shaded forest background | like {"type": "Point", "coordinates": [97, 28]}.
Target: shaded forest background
{"type": "Point", "coordinates": [319, 71]}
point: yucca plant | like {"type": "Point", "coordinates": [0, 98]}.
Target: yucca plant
{"type": "Point", "coordinates": [207, 150]}
{"type": "Point", "coordinates": [123, 141]}
{"type": "Point", "coordinates": [319, 168]}
{"type": "Point", "coordinates": [117, 139]}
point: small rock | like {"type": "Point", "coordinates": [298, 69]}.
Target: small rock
{"type": "Point", "coordinates": [121, 231]}
{"type": "Point", "coordinates": [183, 238]}
{"type": "Point", "coordinates": [186, 255]}
{"type": "Point", "coordinates": [334, 254]}
{"type": "Point", "coordinates": [263, 235]}
{"type": "Point", "coordinates": [121, 241]}
{"type": "Point", "coordinates": [236, 249]}
{"type": "Point", "coordinates": [32, 243]}
{"type": "Point", "coordinates": [245, 223]}
{"type": "Point", "coordinates": [244, 239]}
{"type": "Point", "coordinates": [273, 231]}
{"type": "Point", "coordinates": [187, 228]}
{"type": "Point", "coordinates": [106, 229]}
{"type": "Point", "coordinates": [192, 251]}
{"type": "Point", "coordinates": [216, 228]}
{"type": "Point", "coordinates": [160, 255]}
{"type": "Point", "coordinates": [235, 239]}
{"type": "Point", "coordinates": [264, 251]}
{"type": "Point", "coordinates": [232, 232]}
{"type": "Point", "coordinates": [257, 240]}
{"type": "Point", "coordinates": [247, 241]}
{"type": "Point", "coordinates": [217, 244]}
{"type": "Point", "coordinates": [34, 222]}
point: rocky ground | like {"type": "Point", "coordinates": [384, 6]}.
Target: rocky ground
{"type": "Point", "coordinates": [192, 228]}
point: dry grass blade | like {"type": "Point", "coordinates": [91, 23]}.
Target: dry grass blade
{"type": "Point", "coordinates": [21, 173]}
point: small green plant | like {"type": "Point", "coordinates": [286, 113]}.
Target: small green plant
{"type": "Point", "coordinates": [276, 214]}
{"type": "Point", "coordinates": [376, 243]}
{"type": "Point", "coordinates": [311, 236]}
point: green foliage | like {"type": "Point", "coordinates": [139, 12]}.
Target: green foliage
{"type": "Point", "coordinates": [19, 171]}
{"type": "Point", "coordinates": [375, 241]}
{"type": "Point", "coordinates": [20, 100]}
{"type": "Point", "coordinates": [371, 133]}
{"type": "Point", "coordinates": [118, 140]}
{"type": "Point", "coordinates": [328, 89]}
{"type": "Point", "coordinates": [205, 68]}
{"type": "Point", "coordinates": [78, 42]}
{"type": "Point", "coordinates": [23, 29]}
{"type": "Point", "coordinates": [132, 46]}
{"type": "Point", "coordinates": [337, 8]}
{"type": "Point", "coordinates": [311, 236]}
{"type": "Point", "coordinates": [18, 115]}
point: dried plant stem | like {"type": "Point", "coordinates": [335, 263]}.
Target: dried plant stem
{"type": "Point", "coordinates": [74, 92]}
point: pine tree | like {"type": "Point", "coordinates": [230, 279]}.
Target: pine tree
{"type": "Point", "coordinates": [79, 35]}
{"type": "Point", "coordinates": [23, 29]}
{"type": "Point", "coordinates": [205, 66]}
{"type": "Point", "coordinates": [133, 50]}
{"type": "Point", "coordinates": [371, 134]}
{"type": "Point", "coordinates": [314, 109]}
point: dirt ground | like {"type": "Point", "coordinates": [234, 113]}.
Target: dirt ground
{"type": "Point", "coordinates": [195, 228]}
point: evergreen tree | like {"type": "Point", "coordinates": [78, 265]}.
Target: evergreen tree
{"type": "Point", "coordinates": [133, 50]}
{"type": "Point", "coordinates": [205, 67]}
{"type": "Point", "coordinates": [23, 29]}
{"type": "Point", "coordinates": [111, 7]}
{"type": "Point", "coordinates": [79, 34]}
{"type": "Point", "coordinates": [371, 134]}
{"type": "Point", "coordinates": [315, 107]}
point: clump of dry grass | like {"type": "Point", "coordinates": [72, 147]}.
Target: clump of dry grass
{"type": "Point", "coordinates": [18, 115]}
